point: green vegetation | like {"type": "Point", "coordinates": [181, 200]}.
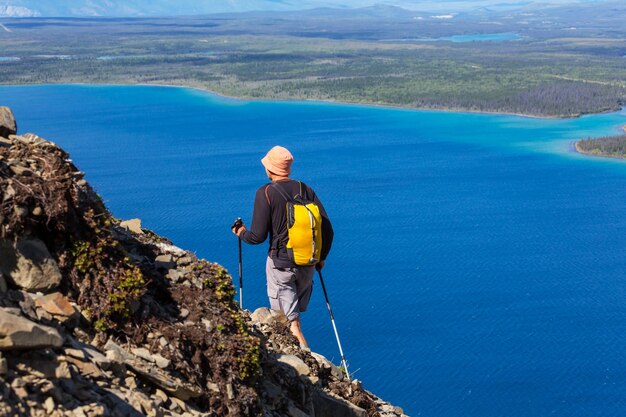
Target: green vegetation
{"type": "Point", "coordinates": [565, 65]}
{"type": "Point", "coordinates": [611, 146]}
{"type": "Point", "coordinates": [248, 348]}
{"type": "Point", "coordinates": [103, 264]}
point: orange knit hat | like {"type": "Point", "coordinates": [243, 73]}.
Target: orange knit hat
{"type": "Point", "coordinates": [278, 161]}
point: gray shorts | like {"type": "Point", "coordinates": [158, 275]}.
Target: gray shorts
{"type": "Point", "coordinates": [289, 289]}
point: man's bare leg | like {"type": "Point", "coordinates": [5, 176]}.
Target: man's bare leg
{"type": "Point", "coordinates": [296, 329]}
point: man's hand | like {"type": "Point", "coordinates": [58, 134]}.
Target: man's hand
{"type": "Point", "coordinates": [237, 230]}
{"type": "Point", "coordinates": [319, 265]}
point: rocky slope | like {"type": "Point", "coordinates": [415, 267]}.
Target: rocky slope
{"type": "Point", "coordinates": [100, 317]}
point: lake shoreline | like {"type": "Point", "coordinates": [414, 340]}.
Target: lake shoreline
{"type": "Point", "coordinates": [329, 101]}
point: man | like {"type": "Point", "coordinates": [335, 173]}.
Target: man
{"type": "Point", "coordinates": [289, 286]}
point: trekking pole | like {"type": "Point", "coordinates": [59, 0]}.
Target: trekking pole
{"type": "Point", "coordinates": [332, 320]}
{"type": "Point", "coordinates": [240, 277]}
{"type": "Point", "coordinates": [236, 226]}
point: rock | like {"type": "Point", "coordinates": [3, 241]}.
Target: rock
{"type": "Point", "coordinates": [161, 395]}
{"type": "Point", "coordinates": [170, 249]}
{"type": "Point", "coordinates": [57, 304]}
{"type": "Point", "coordinates": [32, 139]}
{"type": "Point", "coordinates": [121, 408]}
{"type": "Point", "coordinates": [207, 324]}
{"type": "Point", "coordinates": [130, 382]}
{"type": "Point", "coordinates": [49, 405]}
{"type": "Point", "coordinates": [265, 315]}
{"type": "Point", "coordinates": [184, 313]}
{"type": "Point", "coordinates": [142, 402]}
{"type": "Point", "coordinates": [29, 265]}
{"type": "Point", "coordinates": [261, 315]}
{"type": "Point", "coordinates": [20, 170]}
{"type": "Point", "coordinates": [47, 366]}
{"type": "Point", "coordinates": [132, 225]}
{"type": "Point", "coordinates": [161, 362]}
{"type": "Point", "coordinates": [173, 386]}
{"type": "Point", "coordinates": [180, 405]}
{"type": "Point", "coordinates": [335, 371]}
{"type": "Point", "coordinates": [62, 371]}
{"type": "Point", "coordinates": [21, 333]}
{"type": "Point", "coordinates": [185, 260]}
{"type": "Point", "coordinates": [111, 346]}
{"type": "Point", "coordinates": [230, 392]}
{"type": "Point", "coordinates": [9, 193]}
{"type": "Point", "coordinates": [75, 353]}
{"type": "Point", "coordinates": [143, 353]}
{"type": "Point", "coordinates": [85, 368]}
{"type": "Point", "coordinates": [4, 367]}
{"type": "Point", "coordinates": [164, 262]}
{"type": "Point", "coordinates": [329, 405]}
{"type": "Point", "coordinates": [294, 362]}
{"type": "Point", "coordinates": [79, 412]}
{"type": "Point", "coordinates": [8, 126]}
{"type": "Point", "coordinates": [175, 275]}
{"type": "Point", "coordinates": [13, 310]}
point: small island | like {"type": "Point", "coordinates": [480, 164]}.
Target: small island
{"type": "Point", "coordinates": [608, 146]}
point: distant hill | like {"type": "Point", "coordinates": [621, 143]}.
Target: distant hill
{"type": "Point", "coordinates": [135, 8]}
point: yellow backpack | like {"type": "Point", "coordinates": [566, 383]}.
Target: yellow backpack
{"type": "Point", "coordinates": [304, 225]}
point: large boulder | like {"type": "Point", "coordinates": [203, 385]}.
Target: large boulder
{"type": "Point", "coordinates": [29, 265]}
{"type": "Point", "coordinates": [132, 225]}
{"type": "Point", "coordinates": [295, 363]}
{"type": "Point", "coordinates": [330, 405]}
{"type": "Point", "coordinates": [7, 122]}
{"type": "Point", "coordinates": [17, 332]}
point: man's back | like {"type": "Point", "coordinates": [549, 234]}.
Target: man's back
{"type": "Point", "coordinates": [270, 216]}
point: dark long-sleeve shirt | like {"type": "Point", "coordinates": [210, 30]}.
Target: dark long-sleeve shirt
{"type": "Point", "coordinates": [271, 218]}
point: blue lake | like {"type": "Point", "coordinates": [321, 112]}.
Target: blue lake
{"type": "Point", "coordinates": [479, 263]}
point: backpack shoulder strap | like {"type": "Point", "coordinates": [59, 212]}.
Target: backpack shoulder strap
{"type": "Point", "coordinates": [281, 191]}
{"type": "Point", "coordinates": [306, 192]}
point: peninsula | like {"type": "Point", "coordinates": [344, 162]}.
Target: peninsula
{"type": "Point", "coordinates": [608, 146]}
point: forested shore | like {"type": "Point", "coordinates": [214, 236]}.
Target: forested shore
{"type": "Point", "coordinates": [608, 146]}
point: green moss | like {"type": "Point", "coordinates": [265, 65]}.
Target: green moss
{"type": "Point", "coordinates": [250, 361]}
{"type": "Point", "coordinates": [101, 325]}
{"type": "Point", "coordinates": [129, 289]}
{"type": "Point", "coordinates": [111, 282]}
{"type": "Point", "coordinates": [83, 256]}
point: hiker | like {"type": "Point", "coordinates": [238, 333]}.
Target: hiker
{"type": "Point", "coordinates": [289, 285]}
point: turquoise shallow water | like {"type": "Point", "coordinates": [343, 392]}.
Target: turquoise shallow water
{"type": "Point", "coordinates": [479, 263]}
